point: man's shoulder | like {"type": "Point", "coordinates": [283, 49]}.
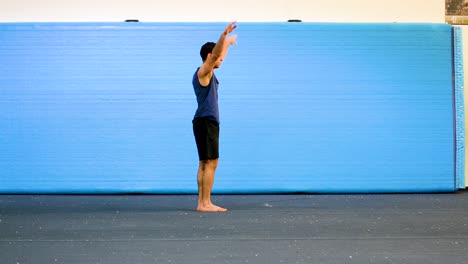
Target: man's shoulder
{"type": "Point", "coordinates": [195, 74]}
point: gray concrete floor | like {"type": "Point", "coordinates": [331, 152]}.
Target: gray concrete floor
{"type": "Point", "coordinates": [386, 228]}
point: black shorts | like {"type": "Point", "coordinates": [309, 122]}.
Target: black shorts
{"type": "Point", "coordinates": [206, 132]}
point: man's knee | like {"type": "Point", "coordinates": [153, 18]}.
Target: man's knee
{"type": "Point", "coordinates": [212, 164]}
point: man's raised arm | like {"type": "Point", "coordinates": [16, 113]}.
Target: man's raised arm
{"type": "Point", "coordinates": [219, 51]}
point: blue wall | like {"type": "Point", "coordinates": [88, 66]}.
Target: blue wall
{"type": "Point", "coordinates": [305, 107]}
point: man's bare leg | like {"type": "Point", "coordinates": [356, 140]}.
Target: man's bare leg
{"type": "Point", "coordinates": [205, 179]}
{"type": "Point", "coordinates": [201, 171]}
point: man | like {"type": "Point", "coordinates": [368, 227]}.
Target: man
{"type": "Point", "coordinates": [206, 120]}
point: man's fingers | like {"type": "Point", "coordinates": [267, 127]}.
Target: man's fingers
{"type": "Point", "coordinates": [234, 39]}
{"type": "Point", "coordinates": [231, 27]}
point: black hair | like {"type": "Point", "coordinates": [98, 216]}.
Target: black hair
{"type": "Point", "coordinates": [206, 49]}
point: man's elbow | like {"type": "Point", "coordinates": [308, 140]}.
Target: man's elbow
{"type": "Point", "coordinates": [215, 56]}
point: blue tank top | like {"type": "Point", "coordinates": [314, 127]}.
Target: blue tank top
{"type": "Point", "coordinates": [207, 98]}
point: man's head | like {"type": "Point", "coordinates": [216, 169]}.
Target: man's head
{"type": "Point", "coordinates": [206, 52]}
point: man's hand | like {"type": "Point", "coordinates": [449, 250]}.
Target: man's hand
{"type": "Point", "coordinates": [230, 28]}
{"type": "Point", "coordinates": [232, 40]}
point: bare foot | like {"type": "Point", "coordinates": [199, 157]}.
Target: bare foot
{"type": "Point", "coordinates": [210, 208]}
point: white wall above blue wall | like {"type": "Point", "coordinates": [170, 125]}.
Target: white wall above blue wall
{"type": "Point", "coordinates": [224, 10]}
